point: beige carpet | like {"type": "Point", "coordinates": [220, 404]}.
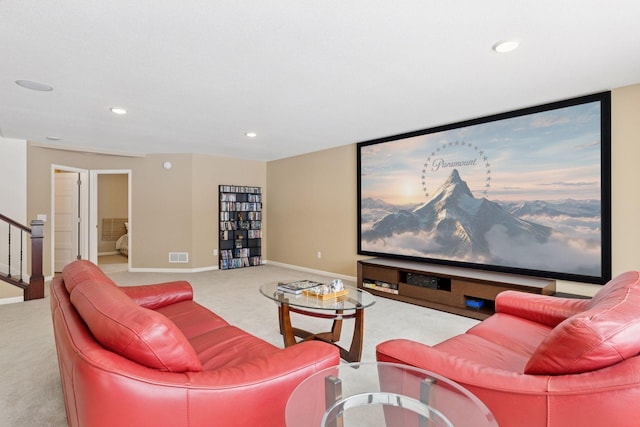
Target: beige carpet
{"type": "Point", "coordinates": [112, 259]}
{"type": "Point", "coordinates": [30, 389]}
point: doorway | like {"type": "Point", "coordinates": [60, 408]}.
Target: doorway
{"type": "Point", "coordinates": [70, 212]}
{"type": "Point", "coordinates": [111, 219]}
{"type": "Point", "coordinates": [75, 218]}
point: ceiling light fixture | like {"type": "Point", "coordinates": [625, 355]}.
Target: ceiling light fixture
{"type": "Point", "coordinates": [251, 134]}
{"type": "Point", "coordinates": [53, 138]}
{"type": "Point", "coordinates": [29, 84]}
{"type": "Point", "coordinates": [118, 110]}
{"type": "Point", "coordinates": [505, 46]}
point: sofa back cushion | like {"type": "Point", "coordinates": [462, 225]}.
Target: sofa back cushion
{"type": "Point", "coordinates": [139, 334]}
{"type": "Point", "coordinates": [80, 271]}
{"type": "Point", "coordinates": [605, 334]}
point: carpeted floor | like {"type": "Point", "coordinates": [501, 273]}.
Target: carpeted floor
{"type": "Point", "coordinates": [112, 259]}
{"type": "Point", "coordinates": [30, 389]}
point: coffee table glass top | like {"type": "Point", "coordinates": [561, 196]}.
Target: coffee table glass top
{"type": "Point", "coordinates": [383, 394]}
{"type": "Point", "coordinates": [354, 299]}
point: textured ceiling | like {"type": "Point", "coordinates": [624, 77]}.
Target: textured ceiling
{"type": "Point", "coordinates": [305, 75]}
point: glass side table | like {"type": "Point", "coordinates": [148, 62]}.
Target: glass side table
{"type": "Point", "coordinates": [383, 394]}
{"type": "Point", "coordinates": [349, 306]}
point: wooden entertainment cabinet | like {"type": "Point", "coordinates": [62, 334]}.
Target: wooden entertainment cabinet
{"type": "Point", "coordinates": [463, 291]}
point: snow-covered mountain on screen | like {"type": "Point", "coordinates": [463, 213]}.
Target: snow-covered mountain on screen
{"type": "Point", "coordinates": [567, 207]}
{"type": "Point", "coordinates": [455, 225]}
{"type": "Point", "coordinates": [456, 222]}
{"type": "Point", "coordinates": [373, 209]}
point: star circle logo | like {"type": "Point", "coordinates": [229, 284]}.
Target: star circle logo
{"type": "Point", "coordinates": [461, 155]}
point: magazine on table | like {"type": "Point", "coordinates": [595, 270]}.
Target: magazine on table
{"type": "Point", "coordinates": [296, 287]}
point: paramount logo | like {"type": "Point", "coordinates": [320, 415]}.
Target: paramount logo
{"type": "Point", "coordinates": [440, 163]}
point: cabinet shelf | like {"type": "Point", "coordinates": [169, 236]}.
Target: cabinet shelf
{"type": "Point", "coordinates": [462, 291]}
{"type": "Point", "coordinates": [240, 227]}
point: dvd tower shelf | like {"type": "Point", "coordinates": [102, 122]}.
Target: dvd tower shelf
{"type": "Point", "coordinates": [240, 226]}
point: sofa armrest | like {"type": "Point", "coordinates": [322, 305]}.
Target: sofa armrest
{"type": "Point", "coordinates": [160, 294]}
{"type": "Point", "coordinates": [544, 309]}
{"type": "Point", "coordinates": [266, 382]}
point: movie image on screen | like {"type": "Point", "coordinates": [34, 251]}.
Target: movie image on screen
{"type": "Point", "coordinates": [524, 192]}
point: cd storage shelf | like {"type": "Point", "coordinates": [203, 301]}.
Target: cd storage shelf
{"type": "Point", "coordinates": [240, 227]}
{"type": "Point", "coordinates": [467, 292]}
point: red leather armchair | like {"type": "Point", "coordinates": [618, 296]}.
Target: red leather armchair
{"type": "Point", "coordinates": [151, 356]}
{"type": "Point", "coordinates": [546, 361]}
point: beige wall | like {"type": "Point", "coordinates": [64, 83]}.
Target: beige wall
{"type": "Point", "coordinates": [312, 201]}
{"type": "Point", "coordinates": [625, 176]}
{"type": "Point", "coordinates": [311, 208]}
{"type": "Point", "coordinates": [173, 210]}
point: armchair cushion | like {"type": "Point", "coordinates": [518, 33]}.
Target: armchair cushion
{"type": "Point", "coordinates": [601, 336]}
{"type": "Point", "coordinates": [135, 332]}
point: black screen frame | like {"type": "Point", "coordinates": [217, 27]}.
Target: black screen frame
{"type": "Point", "coordinates": [604, 98]}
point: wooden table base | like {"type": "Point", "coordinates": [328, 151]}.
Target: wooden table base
{"type": "Point", "coordinates": [289, 333]}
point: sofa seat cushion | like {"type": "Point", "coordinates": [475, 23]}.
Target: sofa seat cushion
{"type": "Point", "coordinates": [520, 335]}
{"type": "Point", "coordinates": [192, 318]}
{"type": "Point", "coordinates": [134, 332]}
{"type": "Point", "coordinates": [470, 347]}
{"type": "Point", "coordinates": [229, 346]}
{"type": "Point", "coordinates": [604, 335]}
{"type": "Point", "coordinates": [81, 271]}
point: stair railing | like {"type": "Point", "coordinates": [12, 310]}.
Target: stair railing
{"type": "Point", "coordinates": [34, 288]}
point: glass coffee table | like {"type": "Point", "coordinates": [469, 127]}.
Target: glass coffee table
{"type": "Point", "coordinates": [349, 306]}
{"type": "Point", "coordinates": [383, 394]}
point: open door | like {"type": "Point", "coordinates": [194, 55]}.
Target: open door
{"type": "Point", "coordinates": [67, 218]}
{"type": "Point", "coordinates": [69, 201]}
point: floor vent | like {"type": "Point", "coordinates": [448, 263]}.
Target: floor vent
{"type": "Point", "coordinates": [178, 256]}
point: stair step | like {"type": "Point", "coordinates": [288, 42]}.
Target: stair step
{"type": "Point", "coordinates": [14, 281]}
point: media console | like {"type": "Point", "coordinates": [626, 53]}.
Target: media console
{"type": "Point", "coordinates": [463, 291]}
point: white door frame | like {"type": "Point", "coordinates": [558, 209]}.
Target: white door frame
{"type": "Point", "coordinates": [93, 211]}
{"type": "Point", "coordinates": [84, 210]}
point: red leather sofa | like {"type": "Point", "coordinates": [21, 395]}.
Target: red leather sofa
{"type": "Point", "coordinates": [546, 361]}
{"type": "Point", "coordinates": [150, 356]}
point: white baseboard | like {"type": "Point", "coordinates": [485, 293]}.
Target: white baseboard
{"type": "Point", "coordinates": [11, 300]}
{"type": "Point", "coordinates": [173, 270]}
{"type": "Point", "coordinates": [215, 267]}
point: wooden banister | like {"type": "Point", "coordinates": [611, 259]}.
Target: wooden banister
{"type": "Point", "coordinates": [35, 288]}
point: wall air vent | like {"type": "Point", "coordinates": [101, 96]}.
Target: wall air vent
{"type": "Point", "coordinates": [179, 257]}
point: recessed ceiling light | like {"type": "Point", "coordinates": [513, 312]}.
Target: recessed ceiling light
{"type": "Point", "coordinates": [505, 46]}
{"type": "Point", "coordinates": [251, 134]}
{"type": "Point", "coordinates": [118, 110]}
{"type": "Point", "coordinates": [28, 84]}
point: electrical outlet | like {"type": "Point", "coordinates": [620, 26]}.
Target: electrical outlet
{"type": "Point", "coordinates": [319, 255]}
{"type": "Point", "coordinates": [215, 252]}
